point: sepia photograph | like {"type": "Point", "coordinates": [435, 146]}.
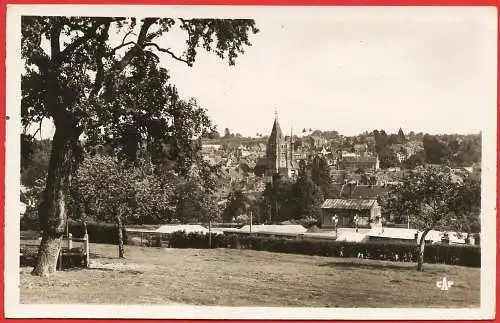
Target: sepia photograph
{"type": "Point", "coordinates": [224, 162]}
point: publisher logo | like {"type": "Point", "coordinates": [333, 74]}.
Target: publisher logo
{"type": "Point", "coordinates": [444, 284]}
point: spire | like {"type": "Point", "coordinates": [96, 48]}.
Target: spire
{"type": "Point", "coordinates": [276, 133]}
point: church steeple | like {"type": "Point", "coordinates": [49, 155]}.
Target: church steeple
{"type": "Point", "coordinates": [276, 133]}
{"type": "Point", "coordinates": [277, 150]}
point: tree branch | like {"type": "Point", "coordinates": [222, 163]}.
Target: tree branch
{"type": "Point", "coordinates": [55, 46]}
{"type": "Point", "coordinates": [186, 26]}
{"type": "Point", "coordinates": [99, 78]}
{"type": "Point", "coordinates": [78, 42]}
{"type": "Point", "coordinates": [168, 51]}
{"type": "Point", "coordinates": [122, 45]}
{"type": "Point", "coordinates": [125, 37]}
{"type": "Point", "coordinates": [127, 58]}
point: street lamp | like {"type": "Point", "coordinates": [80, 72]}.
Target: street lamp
{"type": "Point", "coordinates": [356, 219]}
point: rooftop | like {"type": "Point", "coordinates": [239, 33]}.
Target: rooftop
{"type": "Point", "coordinates": [349, 204]}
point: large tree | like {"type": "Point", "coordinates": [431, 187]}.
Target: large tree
{"type": "Point", "coordinates": [320, 174]}
{"type": "Point", "coordinates": [307, 197]}
{"type": "Point", "coordinates": [105, 190]}
{"type": "Point", "coordinates": [434, 200]}
{"type": "Point", "coordinates": [94, 85]}
{"type": "Point", "coordinates": [194, 203]}
{"type": "Point", "coordinates": [238, 204]}
{"type": "Point", "coordinates": [436, 151]}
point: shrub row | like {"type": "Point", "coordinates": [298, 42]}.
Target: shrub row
{"type": "Point", "coordinates": [106, 233]}
{"type": "Point", "coordinates": [98, 232]}
{"type": "Point", "coordinates": [182, 239]}
{"type": "Point", "coordinates": [393, 251]}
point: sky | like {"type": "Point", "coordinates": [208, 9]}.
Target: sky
{"type": "Point", "coordinates": [353, 73]}
{"type": "Point", "coordinates": [351, 70]}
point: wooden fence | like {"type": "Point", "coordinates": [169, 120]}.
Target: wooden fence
{"type": "Point", "coordinates": [69, 253]}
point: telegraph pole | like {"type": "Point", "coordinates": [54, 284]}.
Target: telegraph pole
{"type": "Point", "coordinates": [210, 233]}
{"type": "Point", "coordinates": [251, 215]}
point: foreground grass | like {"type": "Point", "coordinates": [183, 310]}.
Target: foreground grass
{"type": "Point", "coordinates": [228, 277]}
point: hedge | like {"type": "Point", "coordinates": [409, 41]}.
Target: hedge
{"type": "Point", "coordinates": [106, 233]}
{"type": "Point", "coordinates": [181, 239]}
{"type": "Point", "coordinates": [393, 251]}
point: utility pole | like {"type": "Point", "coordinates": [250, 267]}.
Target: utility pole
{"type": "Point", "coordinates": [210, 233]}
{"type": "Point", "coordinates": [251, 215]}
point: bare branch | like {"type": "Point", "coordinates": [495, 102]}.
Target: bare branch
{"type": "Point", "coordinates": [168, 51]}
{"type": "Point", "coordinates": [186, 26]}
{"type": "Point", "coordinates": [122, 45]}
{"type": "Point", "coordinates": [125, 37]}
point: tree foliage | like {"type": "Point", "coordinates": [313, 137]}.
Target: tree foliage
{"type": "Point", "coordinates": [237, 204]}
{"type": "Point", "coordinates": [320, 175]}
{"type": "Point", "coordinates": [195, 204]}
{"type": "Point", "coordinates": [306, 195]}
{"type": "Point", "coordinates": [435, 200]}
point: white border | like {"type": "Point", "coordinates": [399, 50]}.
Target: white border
{"type": "Point", "coordinates": [11, 275]}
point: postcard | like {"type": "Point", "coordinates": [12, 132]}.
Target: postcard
{"type": "Point", "coordinates": [250, 162]}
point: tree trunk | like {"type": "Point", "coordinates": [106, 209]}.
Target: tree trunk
{"type": "Point", "coordinates": [121, 249]}
{"type": "Point", "coordinates": [52, 209]}
{"type": "Point", "coordinates": [421, 250]}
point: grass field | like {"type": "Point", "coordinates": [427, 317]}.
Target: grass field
{"type": "Point", "coordinates": [229, 277]}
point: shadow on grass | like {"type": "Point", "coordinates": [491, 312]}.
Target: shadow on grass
{"type": "Point", "coordinates": [370, 265]}
{"type": "Point", "coordinates": [123, 271]}
{"type": "Point", "coordinates": [373, 264]}
{"type": "Point", "coordinates": [98, 256]}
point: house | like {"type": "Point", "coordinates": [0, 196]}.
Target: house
{"type": "Point", "coordinates": [360, 162]}
{"type": "Point", "coordinates": [361, 149]}
{"type": "Point", "coordinates": [367, 211]}
{"type": "Point", "coordinates": [317, 141]}
{"type": "Point", "coordinates": [211, 147]}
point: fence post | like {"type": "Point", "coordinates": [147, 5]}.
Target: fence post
{"type": "Point", "coordinates": [87, 249]}
{"type": "Point", "coordinates": [59, 259]}
{"type": "Point", "coordinates": [70, 241]}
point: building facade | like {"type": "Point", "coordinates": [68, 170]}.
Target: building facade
{"type": "Point", "coordinates": [367, 212]}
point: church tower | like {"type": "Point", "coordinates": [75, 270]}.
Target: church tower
{"type": "Point", "coordinates": [278, 153]}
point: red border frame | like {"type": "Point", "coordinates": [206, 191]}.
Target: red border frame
{"type": "Point", "coordinates": [3, 12]}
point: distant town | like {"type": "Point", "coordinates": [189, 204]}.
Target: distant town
{"type": "Point", "coordinates": [360, 167]}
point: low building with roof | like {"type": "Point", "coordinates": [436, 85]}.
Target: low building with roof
{"type": "Point", "coordinates": [354, 163]}
{"type": "Point", "coordinates": [367, 211]}
{"type": "Point", "coordinates": [286, 230]}
{"type": "Point", "coordinates": [414, 235]}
